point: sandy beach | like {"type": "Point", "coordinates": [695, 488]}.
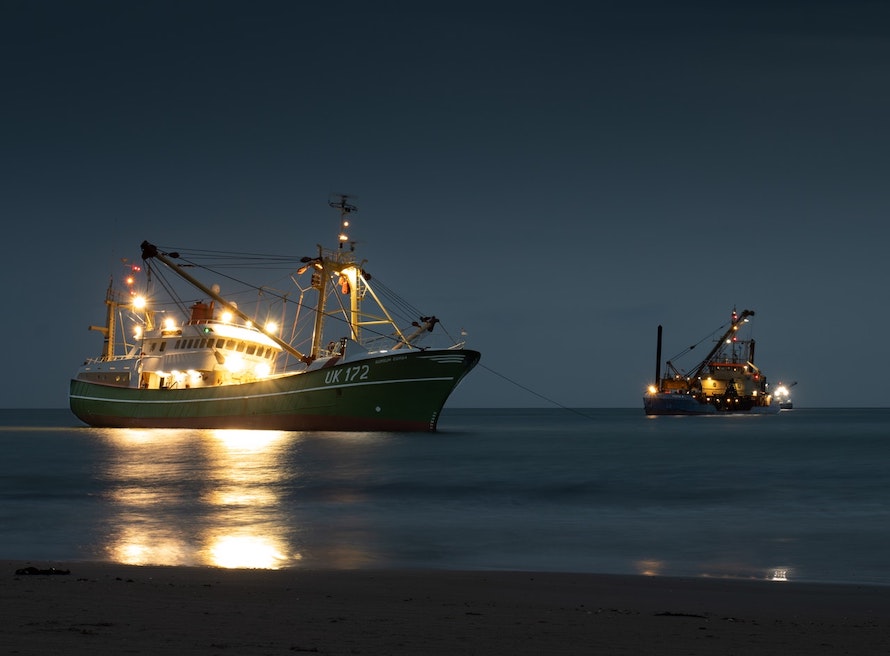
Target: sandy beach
{"type": "Point", "coordinates": [101, 608]}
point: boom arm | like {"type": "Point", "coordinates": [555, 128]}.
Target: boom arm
{"type": "Point", "coordinates": [734, 326]}
{"type": "Point", "coordinates": [150, 250]}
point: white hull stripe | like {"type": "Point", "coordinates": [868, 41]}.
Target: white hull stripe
{"type": "Point", "coordinates": [257, 396]}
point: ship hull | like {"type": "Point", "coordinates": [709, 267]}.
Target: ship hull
{"type": "Point", "coordinates": [686, 404]}
{"type": "Point", "coordinates": [398, 391]}
{"type": "Point", "coordinates": [675, 404]}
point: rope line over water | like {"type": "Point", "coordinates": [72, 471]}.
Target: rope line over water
{"type": "Point", "coordinates": [531, 391]}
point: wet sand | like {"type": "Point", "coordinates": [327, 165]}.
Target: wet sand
{"type": "Point", "coordinates": [105, 608]}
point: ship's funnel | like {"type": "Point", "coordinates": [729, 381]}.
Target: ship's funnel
{"type": "Point", "coordinates": [658, 360]}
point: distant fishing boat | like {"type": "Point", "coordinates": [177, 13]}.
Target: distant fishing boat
{"type": "Point", "coordinates": [208, 364]}
{"type": "Point", "coordinates": [726, 381]}
{"type": "Point", "coordinates": [783, 395]}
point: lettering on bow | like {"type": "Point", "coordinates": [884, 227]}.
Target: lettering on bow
{"type": "Point", "coordinates": [347, 374]}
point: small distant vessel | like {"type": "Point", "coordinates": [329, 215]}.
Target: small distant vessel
{"type": "Point", "coordinates": [204, 363]}
{"type": "Point", "coordinates": [783, 395]}
{"type": "Point", "coordinates": [726, 381]}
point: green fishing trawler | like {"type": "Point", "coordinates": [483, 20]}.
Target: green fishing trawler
{"type": "Point", "coordinates": [215, 366]}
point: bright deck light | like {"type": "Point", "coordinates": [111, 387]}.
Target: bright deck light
{"type": "Point", "coordinates": [235, 362]}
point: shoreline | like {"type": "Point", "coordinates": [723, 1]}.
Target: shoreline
{"type": "Point", "coordinates": [111, 608]}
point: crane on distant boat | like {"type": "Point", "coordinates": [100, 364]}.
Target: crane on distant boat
{"type": "Point", "coordinates": [737, 321]}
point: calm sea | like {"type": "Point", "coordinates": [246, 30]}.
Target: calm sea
{"type": "Point", "coordinates": [803, 495]}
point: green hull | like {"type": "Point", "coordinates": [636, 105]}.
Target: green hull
{"type": "Point", "coordinates": [400, 391]}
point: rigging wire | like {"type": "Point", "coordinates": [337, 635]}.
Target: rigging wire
{"type": "Point", "coordinates": [718, 329]}
{"type": "Point", "coordinates": [405, 311]}
{"type": "Point", "coordinates": [531, 391]}
{"type": "Point", "coordinates": [232, 256]}
{"type": "Point", "coordinates": [157, 273]}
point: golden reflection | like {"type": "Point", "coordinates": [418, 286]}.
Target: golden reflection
{"type": "Point", "coordinates": [138, 547]}
{"type": "Point", "coordinates": [234, 496]}
{"type": "Point", "coordinates": [248, 551]}
{"type": "Point", "coordinates": [649, 567]}
{"type": "Point", "coordinates": [244, 466]}
{"type": "Point", "coordinates": [256, 441]}
{"type": "Point", "coordinates": [135, 496]}
{"type": "Point", "coordinates": [208, 497]}
{"type": "Point", "coordinates": [130, 437]}
{"type": "Point", "coordinates": [143, 462]}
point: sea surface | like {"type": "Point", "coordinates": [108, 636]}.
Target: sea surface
{"type": "Point", "coordinates": [803, 495]}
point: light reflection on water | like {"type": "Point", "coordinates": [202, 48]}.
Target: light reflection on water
{"type": "Point", "coordinates": [225, 481]}
{"type": "Point", "coordinates": [719, 570]}
{"type": "Point", "coordinates": [801, 496]}
{"type": "Point", "coordinates": [242, 499]}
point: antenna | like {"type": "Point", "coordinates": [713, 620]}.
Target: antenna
{"type": "Point", "coordinates": [346, 209]}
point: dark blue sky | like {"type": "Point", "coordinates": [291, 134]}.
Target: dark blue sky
{"type": "Point", "coordinates": [557, 179]}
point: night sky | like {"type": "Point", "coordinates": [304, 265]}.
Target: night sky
{"type": "Point", "coordinates": [557, 179]}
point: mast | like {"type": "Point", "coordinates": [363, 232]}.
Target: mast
{"type": "Point", "coordinates": [354, 281]}
{"type": "Point", "coordinates": [110, 323]}
{"type": "Point", "coordinates": [349, 274]}
{"type": "Point", "coordinates": [342, 263]}
{"type": "Point", "coordinates": [320, 284]}
{"type": "Point", "coordinates": [151, 251]}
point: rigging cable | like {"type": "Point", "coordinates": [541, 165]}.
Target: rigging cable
{"type": "Point", "coordinates": [718, 329]}
{"type": "Point", "coordinates": [398, 301]}
{"type": "Point", "coordinates": [531, 391]}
